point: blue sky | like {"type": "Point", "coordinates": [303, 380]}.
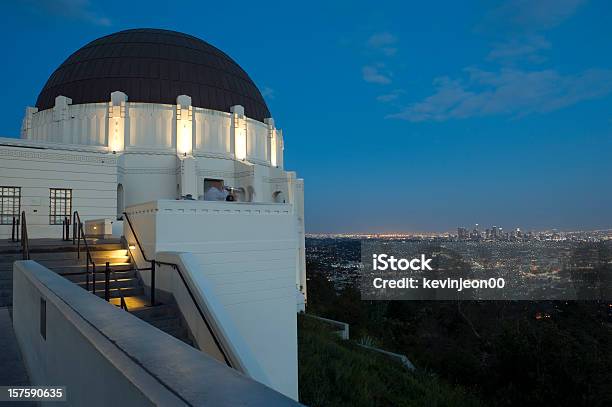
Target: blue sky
{"type": "Point", "coordinates": [400, 116]}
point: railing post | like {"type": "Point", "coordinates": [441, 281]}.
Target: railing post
{"type": "Point", "coordinates": [13, 232]}
{"type": "Point", "coordinates": [18, 229]}
{"type": "Point", "coordinates": [79, 241]}
{"type": "Point", "coordinates": [67, 228]}
{"type": "Point", "coordinates": [153, 283]}
{"type": "Point", "coordinates": [107, 282]}
{"type": "Point", "coordinates": [87, 275]}
{"type": "Point", "coordinates": [74, 232]}
{"type": "Point", "coordinates": [93, 278]}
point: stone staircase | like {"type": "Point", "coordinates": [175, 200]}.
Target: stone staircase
{"type": "Point", "coordinates": [61, 257]}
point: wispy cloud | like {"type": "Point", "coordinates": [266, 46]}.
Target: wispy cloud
{"type": "Point", "coordinates": [268, 93]}
{"type": "Point", "coordinates": [381, 43]}
{"type": "Point", "coordinates": [508, 91]}
{"type": "Point", "coordinates": [516, 49]}
{"type": "Point", "coordinates": [520, 26]}
{"type": "Point", "coordinates": [384, 42]}
{"type": "Point", "coordinates": [537, 15]}
{"type": "Point", "coordinates": [70, 9]}
{"type": "Point", "coordinates": [372, 74]}
{"type": "Point", "coordinates": [515, 88]}
{"type": "Point", "coordinates": [391, 96]}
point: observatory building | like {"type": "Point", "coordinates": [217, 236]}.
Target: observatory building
{"type": "Point", "coordinates": [157, 149]}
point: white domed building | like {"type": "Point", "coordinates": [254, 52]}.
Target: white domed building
{"type": "Point", "coordinates": [170, 130]}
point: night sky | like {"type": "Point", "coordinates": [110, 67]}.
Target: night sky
{"type": "Point", "coordinates": [399, 116]}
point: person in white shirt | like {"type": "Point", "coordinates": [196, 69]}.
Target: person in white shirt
{"type": "Point", "coordinates": [215, 193]}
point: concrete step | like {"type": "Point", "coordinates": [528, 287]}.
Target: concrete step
{"type": "Point", "coordinates": [166, 323]}
{"type": "Point", "coordinates": [68, 268]}
{"type": "Point", "coordinates": [158, 311]}
{"type": "Point", "coordinates": [116, 292]}
{"type": "Point", "coordinates": [6, 275]}
{"type": "Point", "coordinates": [59, 246]}
{"type": "Point", "coordinates": [73, 254]}
{"type": "Point", "coordinates": [135, 303]}
{"type": "Point", "coordinates": [167, 318]}
{"type": "Point", "coordinates": [100, 262]}
{"type": "Point", "coordinates": [10, 257]}
{"type": "Point", "coordinates": [7, 266]}
{"type": "Point", "coordinates": [82, 278]}
{"type": "Point", "coordinates": [119, 283]}
{"type": "Point", "coordinates": [6, 298]}
{"type": "Point", "coordinates": [8, 269]}
{"type": "Point", "coordinates": [180, 333]}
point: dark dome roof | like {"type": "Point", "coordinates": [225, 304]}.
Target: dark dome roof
{"type": "Point", "coordinates": [154, 66]}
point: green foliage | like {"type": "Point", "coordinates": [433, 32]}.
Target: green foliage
{"type": "Point", "coordinates": [505, 353]}
{"type": "Point", "coordinates": [338, 373]}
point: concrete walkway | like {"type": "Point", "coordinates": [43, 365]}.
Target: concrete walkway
{"type": "Point", "coordinates": [12, 371]}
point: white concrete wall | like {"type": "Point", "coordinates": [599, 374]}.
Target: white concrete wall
{"type": "Point", "coordinates": [91, 176]}
{"type": "Point", "coordinates": [249, 252]}
{"type": "Point", "coordinates": [257, 142]}
{"type": "Point", "coordinates": [84, 124]}
{"type": "Point", "coordinates": [74, 354]}
{"type": "Point", "coordinates": [105, 356]}
{"type": "Point", "coordinates": [148, 176]}
{"type": "Point", "coordinates": [150, 127]}
{"type": "Point", "coordinates": [225, 340]}
{"type": "Point", "coordinates": [212, 133]}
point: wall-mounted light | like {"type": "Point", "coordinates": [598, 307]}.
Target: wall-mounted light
{"type": "Point", "coordinates": [273, 149]}
{"type": "Point", "coordinates": [240, 142]}
{"type": "Point", "coordinates": [184, 139]}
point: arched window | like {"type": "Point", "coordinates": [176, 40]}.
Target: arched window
{"type": "Point", "coordinates": [120, 202]}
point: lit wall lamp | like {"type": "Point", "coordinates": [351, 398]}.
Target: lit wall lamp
{"type": "Point", "coordinates": [184, 127]}
{"type": "Point", "coordinates": [116, 121]}
{"type": "Point", "coordinates": [240, 134]}
{"type": "Point", "coordinates": [184, 142]}
{"type": "Point", "coordinates": [241, 142]}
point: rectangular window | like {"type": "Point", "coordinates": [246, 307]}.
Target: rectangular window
{"type": "Point", "coordinates": [60, 205]}
{"type": "Point", "coordinates": [10, 204]}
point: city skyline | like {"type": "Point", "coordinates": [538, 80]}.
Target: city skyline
{"type": "Point", "coordinates": [397, 117]}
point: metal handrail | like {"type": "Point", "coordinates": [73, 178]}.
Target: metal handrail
{"type": "Point", "coordinates": [25, 242]}
{"type": "Point", "coordinates": [107, 273]}
{"type": "Point", "coordinates": [177, 269]}
{"type": "Point", "coordinates": [15, 229]}
{"type": "Point", "coordinates": [78, 234]}
{"type": "Point", "coordinates": [66, 229]}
